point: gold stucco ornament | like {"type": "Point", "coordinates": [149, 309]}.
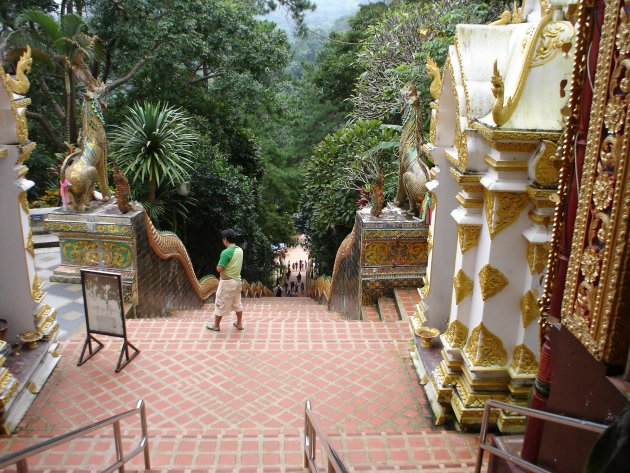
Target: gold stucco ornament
{"type": "Point", "coordinates": [537, 256]}
{"type": "Point", "coordinates": [456, 334]}
{"type": "Point", "coordinates": [463, 286]}
{"type": "Point", "coordinates": [530, 310]}
{"type": "Point", "coordinates": [484, 348]}
{"type": "Point", "coordinates": [523, 361]}
{"type": "Point", "coordinates": [503, 209]}
{"type": "Point", "coordinates": [491, 281]}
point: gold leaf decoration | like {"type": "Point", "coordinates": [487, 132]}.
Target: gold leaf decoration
{"type": "Point", "coordinates": [468, 236]}
{"type": "Point", "coordinates": [491, 281]}
{"type": "Point", "coordinates": [36, 290]}
{"type": "Point", "coordinates": [25, 152]}
{"type": "Point", "coordinates": [537, 256]}
{"type": "Point", "coordinates": [545, 172]}
{"type": "Point", "coordinates": [20, 84]}
{"type": "Point", "coordinates": [456, 334]}
{"type": "Point", "coordinates": [530, 310]}
{"type": "Point", "coordinates": [523, 361]}
{"type": "Point", "coordinates": [484, 348]}
{"type": "Point", "coordinates": [23, 202]}
{"type": "Point", "coordinates": [614, 114]}
{"type": "Point", "coordinates": [503, 209]}
{"type": "Point", "coordinates": [463, 286]}
{"type": "Point", "coordinates": [591, 263]}
{"type": "Point", "coordinates": [602, 191]}
{"type": "Point", "coordinates": [30, 245]}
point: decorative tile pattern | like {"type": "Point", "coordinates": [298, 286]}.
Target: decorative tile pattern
{"type": "Point", "coordinates": [233, 401]}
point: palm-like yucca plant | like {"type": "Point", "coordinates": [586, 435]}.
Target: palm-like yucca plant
{"type": "Point", "coordinates": [154, 145]}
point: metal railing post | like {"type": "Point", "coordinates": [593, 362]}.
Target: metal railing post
{"type": "Point", "coordinates": [482, 436]}
{"type": "Point", "coordinates": [528, 412]}
{"type": "Point", "coordinates": [20, 457]}
{"type": "Point", "coordinates": [119, 447]}
{"type": "Point", "coordinates": [22, 466]}
{"type": "Point", "coordinates": [145, 433]}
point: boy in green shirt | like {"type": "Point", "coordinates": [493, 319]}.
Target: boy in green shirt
{"type": "Point", "coordinates": [228, 296]}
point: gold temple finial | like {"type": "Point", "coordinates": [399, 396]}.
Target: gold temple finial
{"type": "Point", "coordinates": [545, 7]}
{"type": "Point", "coordinates": [434, 73]}
{"type": "Point", "coordinates": [20, 84]}
{"type": "Point", "coordinates": [517, 13]}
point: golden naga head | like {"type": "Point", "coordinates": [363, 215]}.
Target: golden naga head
{"type": "Point", "coordinates": [20, 84]}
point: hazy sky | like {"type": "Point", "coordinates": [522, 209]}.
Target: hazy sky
{"type": "Point", "coordinates": [324, 16]}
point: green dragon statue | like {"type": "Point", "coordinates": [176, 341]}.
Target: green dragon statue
{"type": "Point", "coordinates": [413, 171]}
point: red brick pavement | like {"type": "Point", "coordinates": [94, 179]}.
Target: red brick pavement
{"type": "Point", "coordinates": [234, 401]}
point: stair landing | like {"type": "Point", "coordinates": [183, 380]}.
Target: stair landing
{"type": "Point", "coordinates": [234, 401]}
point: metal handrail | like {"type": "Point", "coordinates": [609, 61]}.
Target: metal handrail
{"type": "Point", "coordinates": [312, 430]}
{"type": "Point", "coordinates": [528, 412]}
{"type": "Point", "coordinates": [20, 457]}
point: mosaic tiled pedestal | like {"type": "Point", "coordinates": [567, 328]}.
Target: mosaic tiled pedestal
{"type": "Point", "coordinates": [387, 252]}
{"type": "Point", "coordinates": [393, 252]}
{"type": "Point", "coordinates": [101, 238]}
{"type": "Point", "coordinates": [104, 239]}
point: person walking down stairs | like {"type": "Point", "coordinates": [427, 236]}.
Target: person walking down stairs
{"type": "Point", "coordinates": [228, 297]}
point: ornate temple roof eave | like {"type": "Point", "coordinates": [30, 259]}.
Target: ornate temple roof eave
{"type": "Point", "coordinates": [530, 65]}
{"type": "Point", "coordinates": [459, 90]}
{"type": "Point", "coordinates": [492, 132]}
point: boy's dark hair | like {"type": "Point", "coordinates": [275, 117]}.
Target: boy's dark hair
{"type": "Point", "coordinates": [229, 235]}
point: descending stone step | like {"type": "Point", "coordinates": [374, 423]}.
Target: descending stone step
{"type": "Point", "coordinates": [227, 450]}
{"type": "Point", "coordinates": [387, 309]}
{"type": "Point", "coordinates": [406, 300]}
{"type": "Point", "coordinates": [370, 313]}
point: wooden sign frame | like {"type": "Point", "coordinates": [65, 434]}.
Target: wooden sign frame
{"type": "Point", "coordinates": [104, 314]}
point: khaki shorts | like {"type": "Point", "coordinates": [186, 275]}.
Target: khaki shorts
{"type": "Point", "coordinates": [228, 297]}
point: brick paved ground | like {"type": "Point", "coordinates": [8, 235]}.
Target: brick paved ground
{"type": "Point", "coordinates": [234, 401]}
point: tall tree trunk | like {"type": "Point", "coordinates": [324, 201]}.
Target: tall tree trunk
{"type": "Point", "coordinates": [73, 109]}
{"type": "Point", "coordinates": [68, 99]}
{"type": "Point", "coordinates": [152, 190]}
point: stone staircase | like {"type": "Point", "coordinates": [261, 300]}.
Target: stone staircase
{"type": "Point", "coordinates": [392, 308]}
{"type": "Point", "coordinates": [233, 401]}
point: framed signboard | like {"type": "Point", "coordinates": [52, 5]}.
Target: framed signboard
{"type": "Point", "coordinates": [104, 313]}
{"type": "Point", "coordinates": [104, 310]}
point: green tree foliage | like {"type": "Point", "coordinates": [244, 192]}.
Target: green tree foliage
{"type": "Point", "coordinates": [337, 68]}
{"type": "Point", "coordinates": [225, 198]}
{"type": "Point", "coordinates": [329, 204]}
{"type": "Point", "coordinates": [210, 58]}
{"type": "Point", "coordinates": [396, 50]}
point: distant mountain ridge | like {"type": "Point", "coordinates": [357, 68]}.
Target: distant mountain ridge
{"type": "Point", "coordinates": [323, 18]}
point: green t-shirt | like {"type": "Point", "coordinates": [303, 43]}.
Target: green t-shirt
{"type": "Point", "coordinates": [232, 261]}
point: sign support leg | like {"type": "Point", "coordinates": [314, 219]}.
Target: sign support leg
{"type": "Point", "coordinates": [88, 345]}
{"type": "Point", "coordinates": [125, 351]}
